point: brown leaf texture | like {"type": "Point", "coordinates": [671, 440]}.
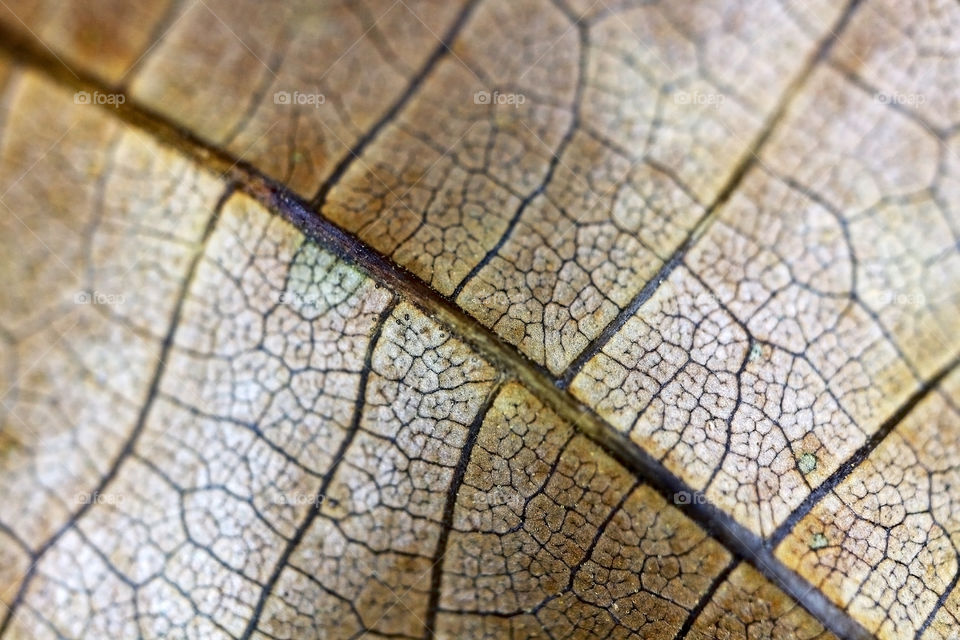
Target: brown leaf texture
{"type": "Point", "coordinates": [480, 319]}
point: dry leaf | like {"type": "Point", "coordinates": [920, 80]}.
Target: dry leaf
{"type": "Point", "coordinates": [480, 319]}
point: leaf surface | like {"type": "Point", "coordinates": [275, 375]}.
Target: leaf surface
{"type": "Point", "coordinates": [487, 319]}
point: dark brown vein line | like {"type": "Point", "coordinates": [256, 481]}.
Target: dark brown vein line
{"type": "Point", "coordinates": [587, 556]}
{"type": "Point", "coordinates": [152, 393]}
{"type": "Point", "coordinates": [551, 168]}
{"type": "Point", "coordinates": [851, 463]}
{"type": "Point", "coordinates": [436, 566]}
{"type": "Point", "coordinates": [171, 15]}
{"type": "Point", "coordinates": [942, 600]}
{"type": "Point", "coordinates": [338, 457]}
{"type": "Point", "coordinates": [749, 160]}
{"type": "Point", "coordinates": [744, 544]}
{"type": "Point", "coordinates": [442, 49]}
{"type": "Point", "coordinates": [18, 541]}
{"type": "Point", "coordinates": [625, 314]}
{"type": "Point", "coordinates": [741, 542]}
{"type": "Point", "coordinates": [705, 600]}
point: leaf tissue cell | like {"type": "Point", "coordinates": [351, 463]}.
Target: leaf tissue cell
{"type": "Point", "coordinates": [480, 319]}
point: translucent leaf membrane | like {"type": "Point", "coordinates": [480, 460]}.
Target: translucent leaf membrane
{"type": "Point", "coordinates": [215, 428]}
{"type": "Point", "coordinates": [567, 166]}
{"type": "Point", "coordinates": [824, 293]}
{"type": "Point", "coordinates": [883, 543]}
{"type": "Point", "coordinates": [729, 231]}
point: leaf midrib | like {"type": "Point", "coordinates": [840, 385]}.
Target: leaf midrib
{"type": "Point", "coordinates": [277, 198]}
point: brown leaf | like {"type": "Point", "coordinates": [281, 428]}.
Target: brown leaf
{"type": "Point", "coordinates": [479, 319]}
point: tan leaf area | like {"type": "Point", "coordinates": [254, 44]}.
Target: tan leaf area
{"type": "Point", "coordinates": [234, 72]}
{"type": "Point", "coordinates": [544, 218]}
{"type": "Point", "coordinates": [822, 295]}
{"type": "Point", "coordinates": [747, 606]}
{"type": "Point", "coordinates": [579, 549]}
{"type": "Point", "coordinates": [428, 319]}
{"type": "Point", "coordinates": [312, 447]}
{"type": "Point", "coordinates": [883, 544]}
{"type": "Point", "coordinates": [99, 257]}
{"type": "Point", "coordinates": [534, 204]}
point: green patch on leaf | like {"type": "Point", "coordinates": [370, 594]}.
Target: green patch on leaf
{"type": "Point", "coordinates": [818, 541]}
{"type": "Point", "coordinates": [807, 463]}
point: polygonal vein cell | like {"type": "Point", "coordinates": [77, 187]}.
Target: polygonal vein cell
{"type": "Point", "coordinates": [552, 538]}
{"type": "Point", "coordinates": [292, 87]}
{"type": "Point", "coordinates": [884, 543]}
{"type": "Point", "coordinates": [823, 294]}
{"type": "Point", "coordinates": [367, 559]}
{"type": "Point", "coordinates": [747, 606]}
{"type": "Point", "coordinates": [99, 228]}
{"type": "Point", "coordinates": [259, 386]}
{"type": "Point", "coordinates": [909, 55]}
{"type": "Point", "coordinates": [544, 182]}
